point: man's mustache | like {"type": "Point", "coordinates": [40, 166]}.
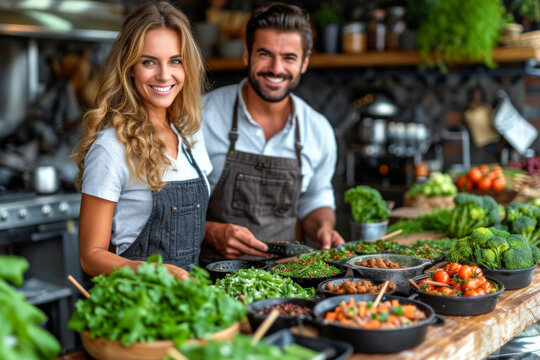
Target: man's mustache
{"type": "Point", "coordinates": [270, 74]}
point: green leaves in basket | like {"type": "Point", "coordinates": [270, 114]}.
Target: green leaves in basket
{"type": "Point", "coordinates": [151, 304]}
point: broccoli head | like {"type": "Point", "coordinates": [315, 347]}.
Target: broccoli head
{"type": "Point", "coordinates": [499, 245]}
{"type": "Point", "coordinates": [517, 240]}
{"type": "Point", "coordinates": [498, 231]}
{"type": "Point", "coordinates": [486, 258]}
{"type": "Point", "coordinates": [367, 204]}
{"type": "Point", "coordinates": [461, 252]}
{"type": "Point", "coordinates": [516, 210]}
{"type": "Point", "coordinates": [535, 251]}
{"type": "Point", "coordinates": [517, 258]}
{"type": "Point", "coordinates": [480, 236]}
{"type": "Point", "coordinates": [523, 225]}
{"type": "Point", "coordinates": [471, 212]}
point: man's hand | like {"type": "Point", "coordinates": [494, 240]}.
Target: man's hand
{"type": "Point", "coordinates": [233, 241]}
{"type": "Point", "coordinates": [328, 238]}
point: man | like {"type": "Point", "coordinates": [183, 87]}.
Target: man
{"type": "Point", "coordinates": [273, 155]}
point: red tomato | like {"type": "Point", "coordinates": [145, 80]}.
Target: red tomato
{"type": "Point", "coordinates": [454, 285]}
{"type": "Point", "coordinates": [465, 272]}
{"type": "Point", "coordinates": [480, 292]}
{"type": "Point", "coordinates": [475, 174]}
{"type": "Point", "coordinates": [484, 169]}
{"type": "Point", "coordinates": [471, 284]}
{"type": "Point", "coordinates": [470, 293]}
{"type": "Point", "coordinates": [452, 268]}
{"type": "Point", "coordinates": [498, 183]}
{"type": "Point", "coordinates": [484, 183]}
{"type": "Point", "coordinates": [441, 276]}
{"type": "Point", "coordinates": [446, 291]}
{"type": "Point", "coordinates": [477, 272]}
{"type": "Point", "coordinates": [464, 183]}
{"type": "Point", "coordinates": [487, 287]}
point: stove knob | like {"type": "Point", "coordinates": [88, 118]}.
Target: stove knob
{"type": "Point", "coordinates": [23, 213]}
{"type": "Point", "coordinates": [46, 210]}
{"type": "Point", "coordinates": [63, 207]}
{"type": "Point", "coordinates": [4, 215]}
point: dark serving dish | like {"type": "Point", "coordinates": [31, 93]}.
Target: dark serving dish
{"type": "Point", "coordinates": [307, 282]}
{"type": "Point", "coordinates": [380, 340]}
{"type": "Point", "coordinates": [321, 289]}
{"type": "Point", "coordinates": [220, 269]}
{"type": "Point", "coordinates": [286, 248]}
{"type": "Point", "coordinates": [282, 321]}
{"type": "Point", "coordinates": [333, 349]}
{"type": "Point", "coordinates": [512, 279]}
{"type": "Point", "coordinates": [400, 277]}
{"type": "Point", "coordinates": [459, 305]}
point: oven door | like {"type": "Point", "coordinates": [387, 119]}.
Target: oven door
{"type": "Point", "coordinates": [53, 253]}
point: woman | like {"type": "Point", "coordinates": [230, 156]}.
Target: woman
{"type": "Point", "coordinates": [142, 162]}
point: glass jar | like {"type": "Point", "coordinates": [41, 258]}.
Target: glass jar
{"type": "Point", "coordinates": [395, 27]}
{"type": "Point", "coordinates": [353, 38]}
{"type": "Point", "coordinates": [377, 30]}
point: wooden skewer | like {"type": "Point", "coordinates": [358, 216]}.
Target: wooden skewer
{"type": "Point", "coordinates": [176, 355]}
{"type": "Point", "coordinates": [436, 283]}
{"type": "Point", "coordinates": [381, 293]}
{"type": "Point", "coordinates": [263, 328]}
{"type": "Point", "coordinates": [414, 284]}
{"type": "Point", "coordinates": [285, 260]}
{"type": "Point", "coordinates": [79, 286]}
{"type": "Point", "coordinates": [242, 298]}
{"type": "Point", "coordinates": [392, 234]}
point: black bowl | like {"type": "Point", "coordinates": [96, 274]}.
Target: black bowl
{"type": "Point", "coordinates": [220, 269]}
{"type": "Point", "coordinates": [321, 289]}
{"type": "Point", "coordinates": [282, 321]}
{"type": "Point", "coordinates": [512, 279]}
{"type": "Point", "coordinates": [380, 340]}
{"type": "Point", "coordinates": [459, 305]}
{"type": "Point", "coordinates": [333, 349]}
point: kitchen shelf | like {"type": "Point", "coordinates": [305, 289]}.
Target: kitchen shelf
{"type": "Point", "coordinates": [385, 58]}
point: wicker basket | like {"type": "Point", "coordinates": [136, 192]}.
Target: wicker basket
{"type": "Point", "coordinates": [528, 39]}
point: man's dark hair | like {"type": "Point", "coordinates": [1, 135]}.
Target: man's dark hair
{"type": "Point", "coordinates": [283, 17]}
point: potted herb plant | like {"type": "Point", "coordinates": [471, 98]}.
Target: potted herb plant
{"type": "Point", "coordinates": [369, 211]}
{"type": "Point", "coordinates": [327, 19]}
{"type": "Point", "coordinates": [456, 30]}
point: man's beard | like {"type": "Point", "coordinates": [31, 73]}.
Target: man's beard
{"type": "Point", "coordinates": [260, 90]}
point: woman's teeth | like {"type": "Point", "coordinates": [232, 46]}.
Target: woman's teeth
{"type": "Point", "coordinates": [162, 89]}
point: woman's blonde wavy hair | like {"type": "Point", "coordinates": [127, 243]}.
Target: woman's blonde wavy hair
{"type": "Point", "coordinates": [118, 104]}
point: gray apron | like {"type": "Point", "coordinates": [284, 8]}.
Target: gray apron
{"type": "Point", "coordinates": [175, 228]}
{"type": "Point", "coordinates": [256, 191]}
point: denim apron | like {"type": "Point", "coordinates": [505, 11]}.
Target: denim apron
{"type": "Point", "coordinates": [256, 191]}
{"type": "Point", "coordinates": [175, 228]}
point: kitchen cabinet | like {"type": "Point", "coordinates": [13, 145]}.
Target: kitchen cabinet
{"type": "Point", "coordinates": [385, 58]}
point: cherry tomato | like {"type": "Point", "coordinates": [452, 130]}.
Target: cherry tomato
{"type": "Point", "coordinates": [481, 292]}
{"type": "Point", "coordinates": [454, 285]}
{"type": "Point", "coordinates": [475, 174]}
{"type": "Point", "coordinates": [465, 272]}
{"type": "Point", "coordinates": [452, 268]}
{"type": "Point", "coordinates": [499, 183]}
{"type": "Point", "coordinates": [484, 183]}
{"type": "Point", "coordinates": [470, 293]}
{"type": "Point", "coordinates": [441, 276]}
{"type": "Point", "coordinates": [484, 169]}
{"type": "Point", "coordinates": [470, 284]}
{"type": "Point", "coordinates": [487, 287]}
{"type": "Point", "coordinates": [434, 292]}
{"type": "Point", "coordinates": [446, 291]}
{"type": "Point", "coordinates": [477, 272]}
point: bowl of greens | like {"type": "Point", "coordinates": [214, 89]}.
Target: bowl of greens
{"type": "Point", "coordinates": [369, 211]}
{"type": "Point", "coordinates": [309, 272]}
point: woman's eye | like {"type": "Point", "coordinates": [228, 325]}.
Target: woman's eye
{"type": "Point", "coordinates": [176, 61]}
{"type": "Point", "coordinates": [148, 62]}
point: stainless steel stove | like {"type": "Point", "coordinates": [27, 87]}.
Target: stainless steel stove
{"type": "Point", "coordinates": [44, 230]}
{"type": "Point", "coordinates": [27, 209]}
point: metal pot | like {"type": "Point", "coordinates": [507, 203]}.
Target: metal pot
{"type": "Point", "coordinates": [45, 180]}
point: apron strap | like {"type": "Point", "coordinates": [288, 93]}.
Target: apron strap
{"type": "Point", "coordinates": [233, 134]}
{"type": "Point", "coordinates": [187, 151]}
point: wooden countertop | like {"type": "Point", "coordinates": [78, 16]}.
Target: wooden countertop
{"type": "Point", "coordinates": [473, 337]}
{"type": "Point", "coordinates": [461, 337]}
{"type": "Point", "coordinates": [384, 58]}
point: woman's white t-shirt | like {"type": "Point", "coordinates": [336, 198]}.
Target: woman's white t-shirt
{"type": "Point", "coordinates": [107, 176]}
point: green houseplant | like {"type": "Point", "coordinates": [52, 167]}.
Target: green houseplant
{"type": "Point", "coordinates": [327, 19]}
{"type": "Point", "coordinates": [369, 211]}
{"type": "Point", "coordinates": [457, 30]}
